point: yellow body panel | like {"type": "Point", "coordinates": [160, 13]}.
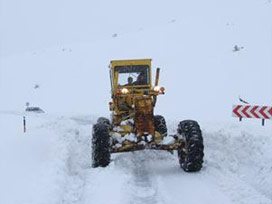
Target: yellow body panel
{"type": "Point", "coordinates": [137, 103]}
{"type": "Point", "coordinates": [133, 109]}
{"type": "Point", "coordinates": [122, 105]}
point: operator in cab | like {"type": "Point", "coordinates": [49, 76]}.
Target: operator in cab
{"type": "Point", "coordinates": [141, 79]}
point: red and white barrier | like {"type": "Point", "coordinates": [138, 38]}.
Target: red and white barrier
{"type": "Point", "coordinates": [248, 111]}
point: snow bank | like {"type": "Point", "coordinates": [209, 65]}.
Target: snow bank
{"type": "Point", "coordinates": [30, 168]}
{"type": "Point", "coordinates": [242, 151]}
{"type": "Point", "coordinates": [35, 165]}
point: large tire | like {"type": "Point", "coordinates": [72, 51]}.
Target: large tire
{"type": "Point", "coordinates": [103, 121]}
{"type": "Point", "coordinates": [160, 125]}
{"type": "Point", "coordinates": [191, 157]}
{"type": "Point", "coordinates": [100, 145]}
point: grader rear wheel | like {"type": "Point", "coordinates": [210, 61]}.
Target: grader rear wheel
{"type": "Point", "coordinates": [100, 145]}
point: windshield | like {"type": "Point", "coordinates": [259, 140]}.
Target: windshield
{"type": "Point", "coordinates": [133, 75]}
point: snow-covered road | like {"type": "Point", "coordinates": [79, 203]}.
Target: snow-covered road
{"type": "Point", "coordinates": [51, 164]}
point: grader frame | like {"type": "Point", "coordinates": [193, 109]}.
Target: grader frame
{"type": "Point", "coordinates": [134, 126]}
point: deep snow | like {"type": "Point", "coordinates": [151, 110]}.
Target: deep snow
{"type": "Point", "coordinates": [51, 163]}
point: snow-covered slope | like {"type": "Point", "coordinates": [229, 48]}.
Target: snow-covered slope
{"type": "Point", "coordinates": [54, 54]}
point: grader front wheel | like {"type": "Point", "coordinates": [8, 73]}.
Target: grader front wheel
{"type": "Point", "coordinates": [103, 121]}
{"type": "Point", "coordinates": [191, 156]}
{"type": "Point", "coordinates": [160, 125]}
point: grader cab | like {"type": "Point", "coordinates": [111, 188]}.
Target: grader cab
{"type": "Point", "coordinates": [133, 125]}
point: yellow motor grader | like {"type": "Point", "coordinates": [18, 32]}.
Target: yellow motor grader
{"type": "Point", "coordinates": [133, 125]}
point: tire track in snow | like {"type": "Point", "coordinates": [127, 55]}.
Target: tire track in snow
{"type": "Point", "coordinates": [143, 186]}
{"type": "Point", "coordinates": [75, 140]}
{"type": "Point", "coordinates": [76, 169]}
{"type": "Point", "coordinates": [145, 190]}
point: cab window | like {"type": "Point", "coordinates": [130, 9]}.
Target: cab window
{"type": "Point", "coordinates": [133, 75]}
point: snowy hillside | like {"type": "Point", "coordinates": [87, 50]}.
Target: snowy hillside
{"type": "Point", "coordinates": [54, 54]}
{"type": "Point", "coordinates": [68, 51]}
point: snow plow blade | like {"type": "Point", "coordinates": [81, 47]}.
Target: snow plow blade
{"type": "Point", "coordinates": [137, 147]}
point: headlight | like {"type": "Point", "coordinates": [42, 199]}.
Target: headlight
{"type": "Point", "coordinates": [157, 88]}
{"type": "Point", "coordinates": [124, 90]}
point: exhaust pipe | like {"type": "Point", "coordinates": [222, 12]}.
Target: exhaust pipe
{"type": "Point", "coordinates": [157, 76]}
